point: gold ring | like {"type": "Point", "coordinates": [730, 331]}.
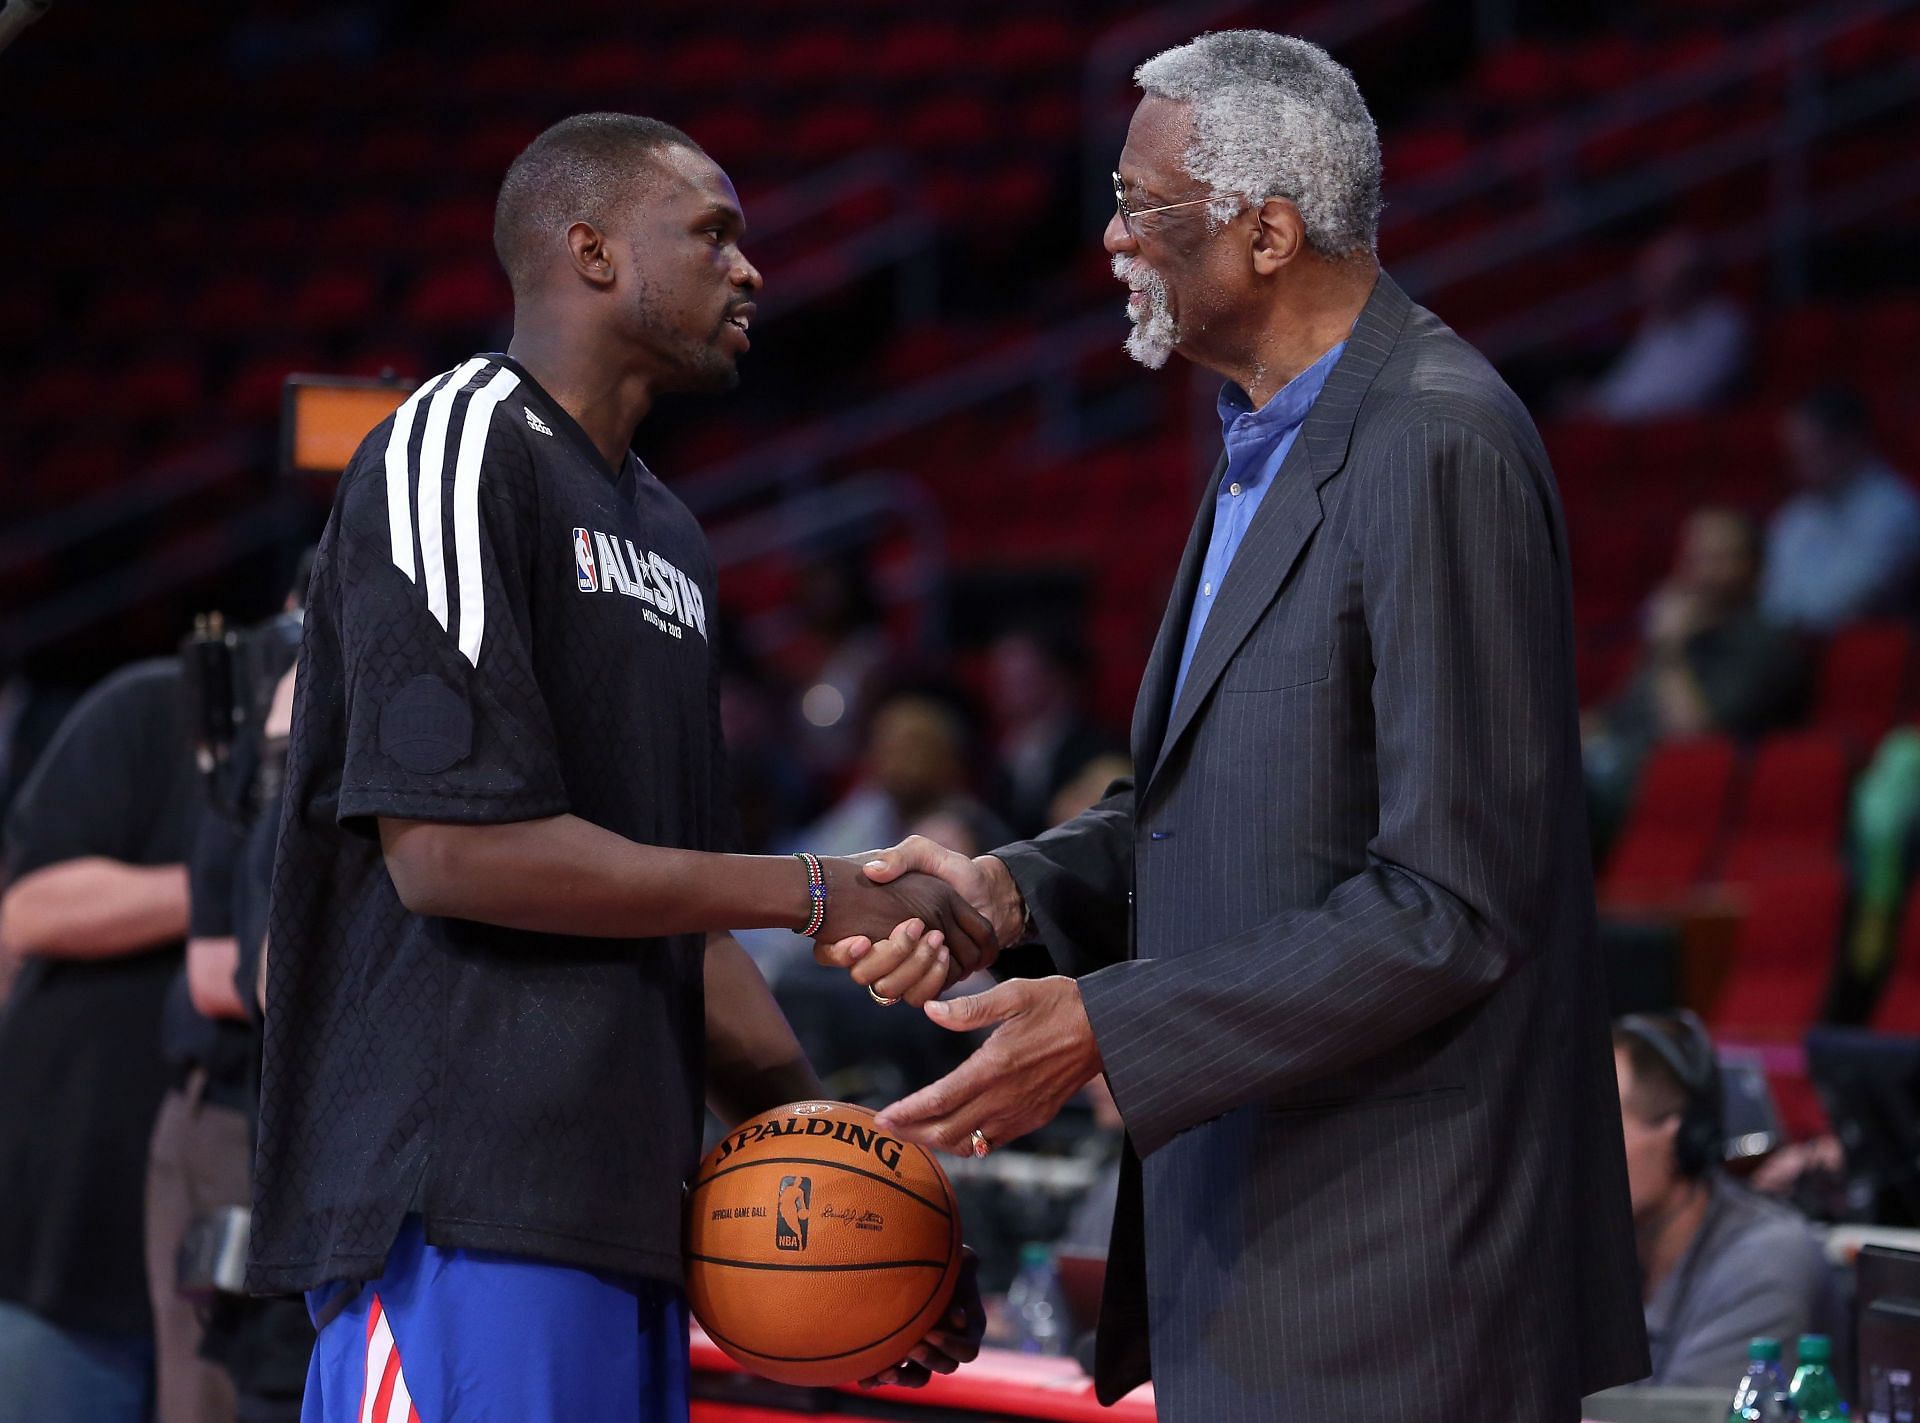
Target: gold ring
{"type": "Point", "coordinates": [877, 996]}
{"type": "Point", "coordinates": [981, 1146]}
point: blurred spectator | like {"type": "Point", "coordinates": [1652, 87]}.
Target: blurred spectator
{"type": "Point", "coordinates": [1691, 344]}
{"type": "Point", "coordinates": [1088, 788]}
{"type": "Point", "coordinates": [1718, 1264]}
{"type": "Point", "coordinates": [1848, 544]}
{"type": "Point", "coordinates": [916, 781]}
{"type": "Point", "coordinates": [97, 910]}
{"type": "Point", "coordinates": [1046, 739]}
{"type": "Point", "coordinates": [771, 792]}
{"type": "Point", "coordinates": [840, 651]}
{"type": "Point", "coordinates": [1712, 664]}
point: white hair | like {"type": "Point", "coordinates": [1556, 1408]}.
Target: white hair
{"type": "Point", "coordinates": [1275, 116]}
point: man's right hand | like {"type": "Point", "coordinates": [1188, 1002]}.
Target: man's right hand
{"type": "Point", "coordinates": [863, 909]}
{"type": "Point", "coordinates": [984, 882]}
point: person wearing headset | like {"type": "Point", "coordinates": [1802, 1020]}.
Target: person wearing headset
{"type": "Point", "coordinates": [1719, 1265]}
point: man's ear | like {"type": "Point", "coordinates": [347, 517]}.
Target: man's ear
{"type": "Point", "coordinates": [1278, 235]}
{"type": "Point", "coordinates": [587, 245]}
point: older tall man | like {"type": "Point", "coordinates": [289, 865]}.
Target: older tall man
{"type": "Point", "coordinates": [1333, 946]}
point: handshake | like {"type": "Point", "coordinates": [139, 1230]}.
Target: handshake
{"type": "Point", "coordinates": [910, 922]}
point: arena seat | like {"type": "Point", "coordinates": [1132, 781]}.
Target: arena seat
{"type": "Point", "coordinates": [1678, 813]}
{"type": "Point", "coordinates": [1790, 817]}
{"type": "Point", "coordinates": [1783, 955]}
{"type": "Point", "coordinates": [992, 153]}
{"type": "Point", "coordinates": [1863, 681]}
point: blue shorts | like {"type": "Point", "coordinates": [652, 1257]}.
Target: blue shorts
{"type": "Point", "coordinates": [464, 1336]}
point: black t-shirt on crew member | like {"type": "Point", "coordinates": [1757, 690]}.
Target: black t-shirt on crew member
{"type": "Point", "coordinates": [81, 1073]}
{"type": "Point", "coordinates": [499, 628]}
{"type": "Point", "coordinates": [221, 1047]}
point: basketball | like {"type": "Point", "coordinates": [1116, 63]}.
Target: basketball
{"type": "Point", "coordinates": [820, 1249]}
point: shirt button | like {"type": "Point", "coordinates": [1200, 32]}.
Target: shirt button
{"type": "Point", "coordinates": [1234, 489]}
{"type": "Point", "coordinates": [1207, 588]}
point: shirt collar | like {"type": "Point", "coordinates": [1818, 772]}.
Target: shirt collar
{"type": "Point", "coordinates": [1240, 422]}
{"type": "Point", "coordinates": [568, 427]}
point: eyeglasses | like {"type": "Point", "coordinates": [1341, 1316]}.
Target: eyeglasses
{"type": "Point", "coordinates": [1127, 214]}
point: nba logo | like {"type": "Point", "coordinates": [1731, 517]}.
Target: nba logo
{"type": "Point", "coordinates": [796, 1202]}
{"type": "Point", "coordinates": [583, 568]}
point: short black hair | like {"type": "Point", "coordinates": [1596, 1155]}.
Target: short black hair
{"type": "Point", "coordinates": [571, 173]}
{"type": "Point", "coordinates": [1838, 411]}
{"type": "Point", "coordinates": [1657, 1089]}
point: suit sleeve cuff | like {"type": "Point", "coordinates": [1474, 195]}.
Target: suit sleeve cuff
{"type": "Point", "coordinates": [1028, 870]}
{"type": "Point", "coordinates": [1120, 1005]}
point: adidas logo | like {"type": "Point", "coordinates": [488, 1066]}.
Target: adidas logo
{"type": "Point", "coordinates": [534, 422]}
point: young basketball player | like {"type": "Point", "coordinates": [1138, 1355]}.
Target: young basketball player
{"type": "Point", "coordinates": [498, 986]}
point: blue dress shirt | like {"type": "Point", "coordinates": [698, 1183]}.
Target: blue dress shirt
{"type": "Point", "coordinates": [1257, 443]}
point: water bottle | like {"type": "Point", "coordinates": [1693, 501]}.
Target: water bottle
{"type": "Point", "coordinates": [1815, 1394]}
{"type": "Point", "coordinates": [1761, 1396]}
{"type": "Point", "coordinates": [1035, 1306]}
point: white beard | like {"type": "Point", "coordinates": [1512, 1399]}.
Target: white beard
{"type": "Point", "coordinates": [1154, 333]}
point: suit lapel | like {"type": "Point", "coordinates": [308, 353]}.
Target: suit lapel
{"type": "Point", "coordinates": [1286, 520]}
{"type": "Point", "coordinates": [1156, 687]}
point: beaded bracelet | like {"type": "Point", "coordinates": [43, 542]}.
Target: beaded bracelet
{"type": "Point", "coordinates": [816, 891]}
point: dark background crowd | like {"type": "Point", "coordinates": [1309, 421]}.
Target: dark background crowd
{"type": "Point", "coordinates": [946, 509]}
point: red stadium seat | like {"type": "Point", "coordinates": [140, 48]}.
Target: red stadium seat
{"type": "Point", "coordinates": [232, 305]}
{"type": "Point", "coordinates": [61, 393]}
{"type": "Point", "coordinates": [609, 68]}
{"type": "Point", "coordinates": [466, 294]}
{"type": "Point", "coordinates": [1862, 682]}
{"type": "Point", "coordinates": [333, 301]}
{"type": "Point", "coordinates": [1782, 955]}
{"type": "Point", "coordinates": [1520, 75]}
{"type": "Point", "coordinates": [160, 388]}
{"type": "Point", "coordinates": [1678, 812]}
{"type": "Point", "coordinates": [358, 229]}
{"type": "Point", "coordinates": [1793, 809]}
{"type": "Point", "coordinates": [714, 60]}
{"type": "Point", "coordinates": [83, 466]}
{"type": "Point", "coordinates": [1052, 119]}
{"type": "Point", "coordinates": [1031, 44]}
{"type": "Point", "coordinates": [459, 224]}
{"type": "Point", "coordinates": [254, 391]}
{"type": "Point", "coordinates": [133, 309]}
{"type": "Point", "coordinates": [948, 122]}
{"type": "Point", "coordinates": [814, 59]}
{"type": "Point", "coordinates": [921, 49]}
{"type": "Point", "coordinates": [830, 132]}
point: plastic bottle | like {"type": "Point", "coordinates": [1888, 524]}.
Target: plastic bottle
{"type": "Point", "coordinates": [1761, 1395]}
{"type": "Point", "coordinates": [1035, 1305]}
{"type": "Point", "coordinates": [1815, 1393]}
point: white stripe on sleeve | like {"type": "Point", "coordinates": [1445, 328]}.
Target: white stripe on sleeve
{"type": "Point", "coordinates": [466, 508]}
{"type": "Point", "coordinates": [433, 463]}
{"type": "Point", "coordinates": [399, 487]}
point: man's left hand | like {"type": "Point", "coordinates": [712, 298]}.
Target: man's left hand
{"type": "Point", "coordinates": [954, 1341]}
{"type": "Point", "coordinates": [1040, 1055]}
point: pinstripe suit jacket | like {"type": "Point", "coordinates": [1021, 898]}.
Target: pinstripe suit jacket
{"type": "Point", "coordinates": [1336, 940]}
